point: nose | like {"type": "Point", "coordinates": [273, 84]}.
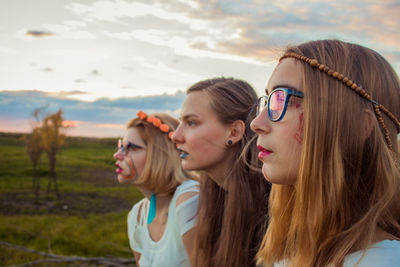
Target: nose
{"type": "Point", "coordinates": [261, 124]}
{"type": "Point", "coordinates": [118, 155]}
{"type": "Point", "coordinates": [177, 136]}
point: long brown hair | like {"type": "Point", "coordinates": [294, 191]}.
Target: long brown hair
{"type": "Point", "coordinates": [231, 223]}
{"type": "Point", "coordinates": [349, 182]}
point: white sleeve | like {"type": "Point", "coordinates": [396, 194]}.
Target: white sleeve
{"type": "Point", "coordinates": [186, 213]}
{"type": "Point", "coordinates": [133, 231]}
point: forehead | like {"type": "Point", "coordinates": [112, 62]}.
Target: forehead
{"type": "Point", "coordinates": [197, 104]}
{"type": "Point", "coordinates": [288, 73]}
{"type": "Point", "coordinates": [132, 135]}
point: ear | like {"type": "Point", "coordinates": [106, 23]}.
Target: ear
{"type": "Point", "coordinates": [237, 130]}
{"type": "Point", "coordinates": [369, 119]}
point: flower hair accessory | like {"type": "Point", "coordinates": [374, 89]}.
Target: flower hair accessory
{"type": "Point", "coordinates": [156, 123]}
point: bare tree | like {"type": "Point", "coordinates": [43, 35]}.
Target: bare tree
{"type": "Point", "coordinates": [34, 150]}
{"type": "Point", "coordinates": [52, 139]}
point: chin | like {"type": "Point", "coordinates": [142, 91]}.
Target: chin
{"type": "Point", "coordinates": [276, 178]}
{"type": "Point", "coordinates": [189, 167]}
{"type": "Point", "coordinates": [122, 180]}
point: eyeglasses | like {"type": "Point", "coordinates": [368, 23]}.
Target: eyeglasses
{"type": "Point", "coordinates": [128, 147]}
{"type": "Point", "coordinates": [276, 102]}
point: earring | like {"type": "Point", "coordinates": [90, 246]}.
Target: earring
{"type": "Point", "coordinates": [230, 142]}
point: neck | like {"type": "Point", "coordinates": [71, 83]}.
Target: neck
{"type": "Point", "coordinates": [219, 172]}
{"type": "Point", "coordinates": [162, 200]}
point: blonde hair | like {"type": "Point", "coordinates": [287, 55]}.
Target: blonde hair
{"type": "Point", "coordinates": [348, 183]}
{"type": "Point", "coordinates": [162, 173]}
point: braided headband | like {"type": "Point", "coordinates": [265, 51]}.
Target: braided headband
{"type": "Point", "coordinates": [156, 123]}
{"type": "Point", "coordinates": [352, 85]}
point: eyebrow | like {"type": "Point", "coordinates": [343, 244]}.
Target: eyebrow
{"type": "Point", "coordinates": [282, 86]}
{"type": "Point", "coordinates": [129, 143]}
{"type": "Point", "coordinates": [185, 117]}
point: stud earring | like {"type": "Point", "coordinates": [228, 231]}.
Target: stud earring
{"type": "Point", "coordinates": [230, 142]}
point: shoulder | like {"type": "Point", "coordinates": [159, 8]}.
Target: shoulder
{"type": "Point", "coordinates": [187, 190]}
{"type": "Point", "coordinates": [185, 205]}
{"type": "Point", "coordinates": [136, 211]}
{"type": "Point", "coordinates": [385, 253]}
{"type": "Point", "coordinates": [389, 248]}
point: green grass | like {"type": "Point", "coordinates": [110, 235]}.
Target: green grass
{"type": "Point", "coordinates": [95, 235]}
{"type": "Point", "coordinates": [90, 219]}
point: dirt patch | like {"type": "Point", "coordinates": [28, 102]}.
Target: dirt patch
{"type": "Point", "coordinates": [100, 178]}
{"type": "Point", "coordinates": [72, 203]}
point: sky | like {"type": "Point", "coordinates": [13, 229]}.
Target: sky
{"type": "Point", "coordinates": [102, 61]}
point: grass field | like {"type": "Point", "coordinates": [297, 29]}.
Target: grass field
{"type": "Point", "coordinates": [90, 219]}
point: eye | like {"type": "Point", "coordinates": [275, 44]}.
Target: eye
{"type": "Point", "coordinates": [294, 101]}
{"type": "Point", "coordinates": [191, 123]}
{"type": "Point", "coordinates": [132, 147]}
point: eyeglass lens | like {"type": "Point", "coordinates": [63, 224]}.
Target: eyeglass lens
{"type": "Point", "coordinates": [276, 104]}
{"type": "Point", "coordinates": [120, 146]}
{"type": "Point", "coordinates": [262, 103]}
{"type": "Point", "coordinates": [129, 147]}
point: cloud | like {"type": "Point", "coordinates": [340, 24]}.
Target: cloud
{"type": "Point", "coordinates": [64, 94]}
{"type": "Point", "coordinates": [146, 47]}
{"type": "Point", "coordinates": [67, 30]}
{"type": "Point", "coordinates": [117, 11]}
{"type": "Point", "coordinates": [247, 31]}
{"type": "Point", "coordinates": [69, 123]}
{"type": "Point", "coordinates": [182, 44]}
{"type": "Point", "coordinates": [250, 31]}
{"type": "Point", "coordinates": [74, 128]}
{"type": "Point", "coordinates": [90, 129]}
{"type": "Point", "coordinates": [101, 118]}
{"type": "Point", "coordinates": [95, 73]}
{"type": "Point", "coordinates": [110, 126]}
{"type": "Point", "coordinates": [21, 104]}
{"type": "Point", "coordinates": [38, 34]}
{"type": "Point", "coordinates": [165, 25]}
{"type": "Point", "coordinates": [14, 125]}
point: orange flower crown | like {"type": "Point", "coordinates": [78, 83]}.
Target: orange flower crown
{"type": "Point", "coordinates": [156, 123]}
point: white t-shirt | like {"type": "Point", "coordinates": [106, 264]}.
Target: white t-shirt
{"type": "Point", "coordinates": [382, 254]}
{"type": "Point", "coordinates": [169, 250]}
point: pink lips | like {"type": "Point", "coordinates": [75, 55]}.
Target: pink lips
{"type": "Point", "coordinates": [119, 169]}
{"type": "Point", "coordinates": [263, 152]}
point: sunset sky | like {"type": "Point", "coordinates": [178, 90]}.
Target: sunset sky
{"type": "Point", "coordinates": [98, 55]}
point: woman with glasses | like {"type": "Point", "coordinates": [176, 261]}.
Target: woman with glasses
{"type": "Point", "coordinates": [327, 132]}
{"type": "Point", "coordinates": [214, 129]}
{"type": "Point", "coordinates": [161, 226]}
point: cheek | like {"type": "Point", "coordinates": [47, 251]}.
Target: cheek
{"type": "Point", "coordinates": [206, 142]}
{"type": "Point", "coordinates": [298, 136]}
{"type": "Point", "coordinates": [206, 152]}
{"type": "Point", "coordinates": [140, 163]}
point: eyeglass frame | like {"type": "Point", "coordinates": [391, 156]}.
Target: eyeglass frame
{"type": "Point", "coordinates": [125, 149]}
{"type": "Point", "coordinates": [288, 93]}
